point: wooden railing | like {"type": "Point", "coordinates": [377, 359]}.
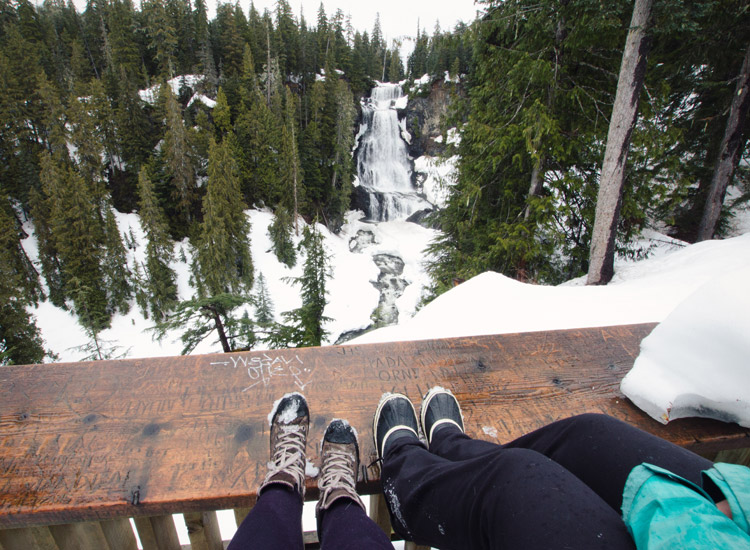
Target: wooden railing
{"type": "Point", "coordinates": [85, 446]}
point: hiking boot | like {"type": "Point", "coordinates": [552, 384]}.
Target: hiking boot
{"type": "Point", "coordinates": [394, 418]}
{"type": "Point", "coordinates": [289, 425]}
{"type": "Point", "coordinates": [440, 409]}
{"type": "Point", "coordinates": [339, 455]}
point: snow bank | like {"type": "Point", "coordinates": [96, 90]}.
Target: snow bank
{"type": "Point", "coordinates": [697, 362]}
{"type": "Point", "coordinates": [644, 291]}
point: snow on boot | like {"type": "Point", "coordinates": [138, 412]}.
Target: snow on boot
{"type": "Point", "coordinates": [290, 421]}
{"type": "Point", "coordinates": [439, 409]}
{"type": "Point", "coordinates": [339, 454]}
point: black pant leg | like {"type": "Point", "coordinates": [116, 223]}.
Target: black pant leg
{"type": "Point", "coordinates": [516, 498]}
{"type": "Point", "coordinates": [598, 449]}
{"type": "Point", "coordinates": [274, 523]}
{"type": "Point", "coordinates": [601, 451]}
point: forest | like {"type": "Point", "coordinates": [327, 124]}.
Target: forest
{"type": "Point", "coordinates": [276, 126]}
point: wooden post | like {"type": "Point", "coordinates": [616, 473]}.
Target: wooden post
{"type": "Point", "coordinates": [203, 530]}
{"type": "Point", "coordinates": [157, 533]}
{"type": "Point", "coordinates": [379, 513]}
{"type": "Point", "coordinates": [119, 534]}
{"type": "Point", "coordinates": [31, 538]}
{"type": "Point", "coordinates": [79, 536]}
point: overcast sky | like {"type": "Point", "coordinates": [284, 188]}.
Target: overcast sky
{"type": "Point", "coordinates": [397, 17]}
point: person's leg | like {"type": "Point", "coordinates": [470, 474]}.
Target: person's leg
{"type": "Point", "coordinates": [600, 450]}
{"type": "Point", "coordinates": [274, 523]}
{"type": "Point", "coordinates": [346, 526]}
{"type": "Point", "coordinates": [342, 521]}
{"type": "Point", "coordinates": [514, 499]}
{"type": "Point", "coordinates": [276, 520]}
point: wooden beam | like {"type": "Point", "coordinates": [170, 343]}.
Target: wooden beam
{"type": "Point", "coordinates": [149, 437]}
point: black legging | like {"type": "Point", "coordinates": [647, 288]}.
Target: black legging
{"type": "Point", "coordinates": [558, 487]}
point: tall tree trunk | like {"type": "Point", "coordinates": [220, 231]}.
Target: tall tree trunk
{"type": "Point", "coordinates": [729, 153]}
{"type": "Point", "coordinates": [624, 114]}
{"type": "Point", "coordinates": [535, 187]}
{"type": "Point", "coordinates": [219, 328]}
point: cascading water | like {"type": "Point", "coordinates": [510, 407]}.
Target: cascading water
{"type": "Point", "coordinates": [383, 164]}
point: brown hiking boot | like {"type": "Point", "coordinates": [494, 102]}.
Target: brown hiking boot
{"type": "Point", "coordinates": [339, 454]}
{"type": "Point", "coordinates": [289, 425]}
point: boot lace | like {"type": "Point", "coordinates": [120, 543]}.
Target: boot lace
{"type": "Point", "coordinates": [289, 454]}
{"type": "Point", "coordinates": [337, 474]}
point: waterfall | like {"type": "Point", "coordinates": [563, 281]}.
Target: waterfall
{"type": "Point", "coordinates": [383, 164]}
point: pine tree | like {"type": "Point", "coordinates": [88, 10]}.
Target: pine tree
{"type": "Point", "coordinates": [78, 234]}
{"type": "Point", "coordinates": [304, 326]}
{"type": "Point", "coordinates": [280, 232]}
{"type": "Point", "coordinates": [160, 280]}
{"type": "Point", "coordinates": [162, 35]}
{"type": "Point", "coordinates": [291, 181]}
{"type": "Point", "coordinates": [222, 262]}
{"type": "Point", "coordinates": [20, 339]}
{"type": "Point", "coordinates": [222, 114]}
{"type": "Point", "coordinates": [198, 318]}
{"type": "Point", "coordinates": [178, 155]}
{"type": "Point", "coordinates": [117, 277]}
{"type": "Point", "coordinates": [264, 313]}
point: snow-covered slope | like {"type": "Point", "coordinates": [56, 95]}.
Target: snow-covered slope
{"type": "Point", "coordinates": [351, 295]}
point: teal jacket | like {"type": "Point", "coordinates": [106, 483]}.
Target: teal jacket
{"type": "Point", "coordinates": [663, 510]}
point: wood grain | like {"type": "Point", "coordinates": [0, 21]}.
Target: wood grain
{"type": "Point", "coordinates": [98, 440]}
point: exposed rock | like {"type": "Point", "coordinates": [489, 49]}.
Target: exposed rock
{"type": "Point", "coordinates": [391, 287]}
{"type": "Point", "coordinates": [424, 116]}
{"type": "Point", "coordinates": [361, 240]}
{"type": "Point", "coordinates": [419, 218]}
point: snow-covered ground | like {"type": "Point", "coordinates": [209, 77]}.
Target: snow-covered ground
{"type": "Point", "coordinates": [351, 295]}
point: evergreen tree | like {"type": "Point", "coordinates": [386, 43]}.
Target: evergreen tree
{"type": "Point", "coordinates": [198, 318]}
{"type": "Point", "coordinates": [264, 312]}
{"type": "Point", "coordinates": [531, 149]}
{"type": "Point", "coordinates": [117, 277]}
{"type": "Point", "coordinates": [257, 132]}
{"type": "Point", "coordinates": [20, 340]}
{"type": "Point", "coordinates": [162, 34]}
{"type": "Point", "coordinates": [222, 261]}
{"type": "Point", "coordinates": [304, 326]}
{"type": "Point", "coordinates": [178, 156]}
{"type": "Point", "coordinates": [280, 232]}
{"type": "Point", "coordinates": [292, 191]}
{"type": "Point", "coordinates": [222, 114]}
{"type": "Point", "coordinates": [160, 280]}
{"type": "Point", "coordinates": [77, 232]}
